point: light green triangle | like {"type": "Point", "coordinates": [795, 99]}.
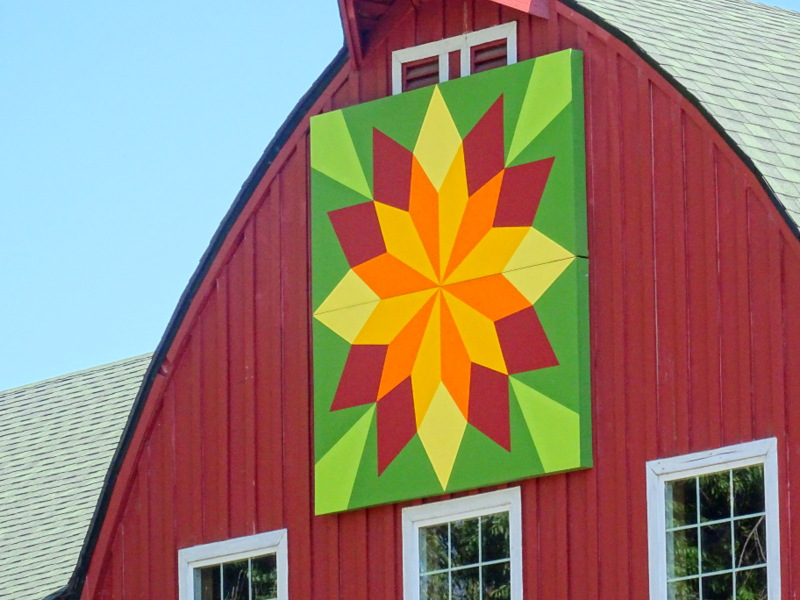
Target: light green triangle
{"type": "Point", "coordinates": [334, 154]}
{"type": "Point", "coordinates": [554, 428]}
{"type": "Point", "coordinates": [549, 91]}
{"type": "Point", "coordinates": [336, 471]}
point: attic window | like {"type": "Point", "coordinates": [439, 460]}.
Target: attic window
{"type": "Point", "coordinates": [419, 73]}
{"type": "Point", "coordinates": [488, 56]}
{"type": "Point", "coordinates": [458, 56]}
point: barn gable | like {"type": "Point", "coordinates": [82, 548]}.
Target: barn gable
{"type": "Point", "coordinates": [691, 305]}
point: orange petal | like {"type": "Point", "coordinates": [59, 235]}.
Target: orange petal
{"type": "Point", "coordinates": [402, 351]}
{"type": "Point", "coordinates": [388, 276]}
{"type": "Point", "coordinates": [456, 365]}
{"type": "Point", "coordinates": [478, 220]}
{"type": "Point", "coordinates": [494, 296]}
{"type": "Point", "coordinates": [424, 209]}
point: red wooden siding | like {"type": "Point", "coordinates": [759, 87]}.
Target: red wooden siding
{"type": "Point", "coordinates": [695, 297]}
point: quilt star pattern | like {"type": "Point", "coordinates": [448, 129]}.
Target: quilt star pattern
{"type": "Point", "coordinates": [450, 292]}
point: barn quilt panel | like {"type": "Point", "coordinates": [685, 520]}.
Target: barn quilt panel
{"type": "Point", "coordinates": [449, 286]}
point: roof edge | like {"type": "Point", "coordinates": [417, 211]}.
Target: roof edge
{"type": "Point", "coordinates": [74, 588]}
{"type": "Point", "coordinates": [72, 374]}
{"type": "Point", "coordinates": [693, 100]}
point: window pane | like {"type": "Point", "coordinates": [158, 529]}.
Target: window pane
{"type": "Point", "coordinates": [264, 575]}
{"type": "Point", "coordinates": [748, 490]}
{"type": "Point", "coordinates": [434, 587]}
{"type": "Point", "coordinates": [751, 542]}
{"type": "Point", "coordinates": [433, 547]}
{"type": "Point", "coordinates": [207, 579]}
{"type": "Point", "coordinates": [715, 541]}
{"type": "Point", "coordinates": [235, 581]}
{"type": "Point", "coordinates": [718, 587]}
{"type": "Point", "coordinates": [466, 584]}
{"type": "Point", "coordinates": [681, 501]}
{"type": "Point", "coordinates": [494, 534]}
{"type": "Point", "coordinates": [682, 553]}
{"type": "Point", "coordinates": [751, 584]}
{"type": "Point", "coordinates": [715, 496]}
{"type": "Point", "coordinates": [497, 581]}
{"type": "Point", "coordinates": [464, 540]}
{"type": "Point", "coordinates": [684, 590]}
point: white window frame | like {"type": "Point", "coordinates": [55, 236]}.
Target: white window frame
{"type": "Point", "coordinates": [460, 43]}
{"type": "Point", "coordinates": [702, 463]}
{"type": "Point", "coordinates": [468, 507]}
{"type": "Point", "coordinates": [271, 542]}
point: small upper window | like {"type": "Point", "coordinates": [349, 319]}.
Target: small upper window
{"type": "Point", "coordinates": [465, 548]}
{"type": "Point", "coordinates": [247, 568]}
{"type": "Point", "coordinates": [458, 56]}
{"type": "Point", "coordinates": [713, 520]}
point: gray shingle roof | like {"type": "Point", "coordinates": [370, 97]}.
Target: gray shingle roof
{"type": "Point", "coordinates": [741, 60]}
{"type": "Point", "coordinates": [57, 438]}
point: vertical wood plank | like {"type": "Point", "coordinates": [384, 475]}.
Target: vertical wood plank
{"type": "Point", "coordinates": [188, 447]}
{"type": "Point", "coordinates": [485, 14]}
{"type": "Point", "coordinates": [241, 300]}
{"type": "Point", "coordinates": [532, 554]}
{"type": "Point", "coordinates": [215, 418]}
{"type": "Point", "coordinates": [295, 363]}
{"type": "Point", "coordinates": [734, 300]}
{"type": "Point", "coordinates": [353, 554]}
{"type": "Point", "coordinates": [268, 361]}
{"type": "Point", "coordinates": [429, 22]}
{"type": "Point", "coordinates": [790, 518]}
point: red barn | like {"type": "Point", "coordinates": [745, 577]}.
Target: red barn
{"type": "Point", "coordinates": [654, 145]}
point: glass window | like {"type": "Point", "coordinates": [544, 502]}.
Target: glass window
{"type": "Point", "coordinates": [253, 578]}
{"type": "Point", "coordinates": [718, 527]}
{"type": "Point", "coordinates": [464, 549]}
{"type": "Point", "coordinates": [248, 568]}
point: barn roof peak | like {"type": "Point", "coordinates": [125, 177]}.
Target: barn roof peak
{"type": "Point", "coordinates": [738, 58]}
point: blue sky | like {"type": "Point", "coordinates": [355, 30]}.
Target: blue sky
{"type": "Point", "coordinates": [126, 130]}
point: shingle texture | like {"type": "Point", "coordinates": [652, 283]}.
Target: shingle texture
{"type": "Point", "coordinates": [741, 60]}
{"type": "Point", "coordinates": [57, 438]}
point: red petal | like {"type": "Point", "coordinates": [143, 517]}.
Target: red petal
{"type": "Point", "coordinates": [359, 232]}
{"type": "Point", "coordinates": [524, 342]}
{"type": "Point", "coordinates": [484, 149]}
{"type": "Point", "coordinates": [361, 377]}
{"type": "Point", "coordinates": [521, 193]}
{"type": "Point", "coordinates": [488, 404]}
{"type": "Point", "coordinates": [391, 168]}
{"type": "Point", "coordinates": [396, 423]}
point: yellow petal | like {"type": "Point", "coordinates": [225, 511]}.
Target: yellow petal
{"type": "Point", "coordinates": [350, 291]}
{"type": "Point", "coordinates": [536, 249]}
{"type": "Point", "coordinates": [438, 140]}
{"type": "Point", "coordinates": [402, 239]}
{"type": "Point", "coordinates": [441, 433]}
{"type": "Point", "coordinates": [347, 322]}
{"type": "Point", "coordinates": [390, 316]}
{"type": "Point", "coordinates": [453, 198]}
{"type": "Point", "coordinates": [534, 281]}
{"type": "Point", "coordinates": [478, 334]}
{"type": "Point", "coordinates": [426, 376]}
{"type": "Point", "coordinates": [491, 254]}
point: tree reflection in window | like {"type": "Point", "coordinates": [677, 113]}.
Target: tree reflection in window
{"type": "Point", "coordinates": [467, 559]}
{"type": "Point", "coordinates": [247, 579]}
{"type": "Point", "coordinates": [716, 536]}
